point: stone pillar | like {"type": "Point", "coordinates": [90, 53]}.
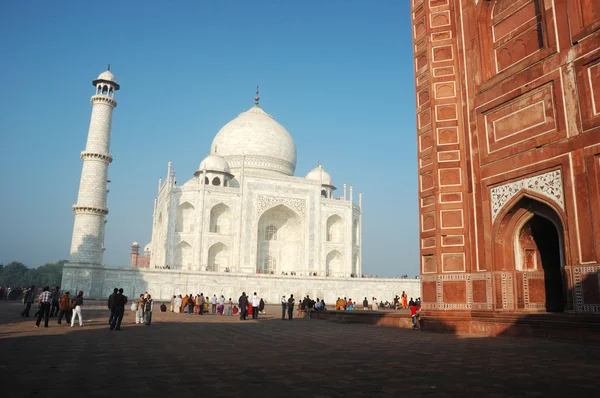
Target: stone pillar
{"type": "Point", "coordinates": [351, 194]}
{"type": "Point", "coordinates": [344, 191]}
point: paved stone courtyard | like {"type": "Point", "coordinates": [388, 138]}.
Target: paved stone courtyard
{"type": "Point", "coordinates": [183, 355]}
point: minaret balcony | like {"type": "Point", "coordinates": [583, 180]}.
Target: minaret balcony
{"type": "Point", "coordinates": [98, 156]}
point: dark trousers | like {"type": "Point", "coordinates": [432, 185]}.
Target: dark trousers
{"type": "Point", "coordinates": [26, 310]}
{"type": "Point", "coordinates": [43, 312]}
{"type": "Point", "coordinates": [283, 308]}
{"type": "Point", "coordinates": [214, 308]}
{"type": "Point", "coordinates": [290, 313]}
{"type": "Point", "coordinates": [67, 315]}
{"type": "Point", "coordinates": [243, 313]}
{"type": "Point", "coordinates": [112, 315]}
{"type": "Point", "coordinates": [201, 310]}
{"type": "Point", "coordinates": [254, 312]}
{"type": "Point", "coordinates": [55, 308]}
{"type": "Point", "coordinates": [148, 317]}
{"type": "Point", "coordinates": [117, 318]}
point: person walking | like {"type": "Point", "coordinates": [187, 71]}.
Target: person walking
{"type": "Point", "coordinates": [255, 304]}
{"type": "Point", "coordinates": [45, 301]}
{"type": "Point", "coordinates": [148, 306]}
{"type": "Point", "coordinates": [213, 302]}
{"type": "Point", "coordinates": [139, 310]}
{"type": "Point", "coordinates": [110, 304]}
{"type": "Point", "coordinates": [283, 307]}
{"type": "Point", "coordinates": [77, 309]}
{"type": "Point", "coordinates": [290, 307]}
{"type": "Point", "coordinates": [28, 300]}
{"type": "Point", "coordinates": [65, 308]}
{"type": "Point", "coordinates": [119, 302]}
{"type": "Point", "coordinates": [243, 303]}
{"type": "Point", "coordinates": [55, 297]}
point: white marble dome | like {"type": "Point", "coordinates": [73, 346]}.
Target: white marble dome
{"type": "Point", "coordinates": [319, 174]}
{"type": "Point", "coordinates": [257, 140]}
{"type": "Point", "coordinates": [108, 76]}
{"type": "Point", "coordinates": [214, 163]}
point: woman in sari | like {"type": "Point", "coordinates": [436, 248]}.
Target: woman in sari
{"type": "Point", "coordinates": [197, 307]}
{"type": "Point", "coordinates": [184, 303]}
{"type": "Point", "coordinates": [172, 309]}
{"type": "Point", "coordinates": [178, 302]}
{"type": "Point", "coordinates": [404, 300]}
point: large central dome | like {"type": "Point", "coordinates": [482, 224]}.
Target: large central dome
{"type": "Point", "coordinates": [255, 139]}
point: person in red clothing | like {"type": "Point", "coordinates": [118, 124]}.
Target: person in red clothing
{"type": "Point", "coordinates": [414, 309]}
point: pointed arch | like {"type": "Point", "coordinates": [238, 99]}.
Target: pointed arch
{"type": "Point", "coordinates": [184, 221]}
{"type": "Point", "coordinates": [335, 229]}
{"type": "Point", "coordinates": [280, 235]}
{"type": "Point", "coordinates": [182, 258]}
{"type": "Point", "coordinates": [218, 257]}
{"type": "Point", "coordinates": [220, 219]}
{"type": "Point", "coordinates": [333, 263]}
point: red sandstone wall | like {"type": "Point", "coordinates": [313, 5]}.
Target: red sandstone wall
{"type": "Point", "coordinates": [508, 105]}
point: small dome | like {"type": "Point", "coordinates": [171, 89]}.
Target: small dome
{"type": "Point", "coordinates": [135, 244]}
{"type": "Point", "coordinates": [147, 247]}
{"type": "Point", "coordinates": [213, 163]}
{"type": "Point", "coordinates": [108, 76]}
{"type": "Point", "coordinates": [319, 174]}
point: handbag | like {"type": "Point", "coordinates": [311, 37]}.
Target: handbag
{"type": "Point", "coordinates": [133, 306]}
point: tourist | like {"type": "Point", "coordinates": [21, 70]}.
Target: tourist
{"type": "Point", "coordinates": [290, 307]}
{"type": "Point", "coordinates": [339, 304]}
{"type": "Point", "coordinates": [201, 304]}
{"type": "Point", "coordinates": [163, 307]}
{"type": "Point", "coordinates": [365, 304]}
{"type": "Point", "coordinates": [308, 306]}
{"type": "Point", "coordinates": [148, 306]}
{"type": "Point", "coordinates": [110, 304]}
{"type": "Point", "coordinates": [190, 306]}
{"type": "Point", "coordinates": [255, 304]}
{"type": "Point", "coordinates": [229, 307]}
{"type": "Point", "coordinates": [178, 302]}
{"type": "Point", "coordinates": [283, 307]}
{"type": "Point", "coordinates": [345, 303]}
{"type": "Point", "coordinates": [213, 302]}
{"type": "Point", "coordinates": [261, 307]}
{"type": "Point", "coordinates": [404, 297]}
{"type": "Point", "coordinates": [375, 304]}
{"type": "Point", "coordinates": [249, 308]}
{"type": "Point", "coordinates": [197, 306]}
{"type": "Point", "coordinates": [414, 313]}
{"type": "Point", "coordinates": [220, 309]}
{"type": "Point", "coordinates": [235, 310]}
{"type": "Point", "coordinates": [28, 300]}
{"type": "Point", "coordinates": [45, 302]}
{"type": "Point", "coordinates": [65, 308]}
{"type": "Point", "coordinates": [139, 310]}
{"type": "Point", "coordinates": [396, 301]}
{"type": "Point", "coordinates": [77, 310]}
{"type": "Point", "coordinates": [222, 301]}
{"type": "Point", "coordinates": [300, 307]}
{"type": "Point", "coordinates": [184, 304]}
{"type": "Point", "coordinates": [205, 306]}
{"type": "Point", "coordinates": [55, 297]}
{"type": "Point", "coordinates": [119, 302]}
{"type": "Point", "coordinates": [349, 305]}
{"type": "Point", "coordinates": [243, 303]}
{"type": "Point", "coordinates": [172, 308]}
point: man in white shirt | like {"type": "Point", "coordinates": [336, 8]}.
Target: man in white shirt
{"type": "Point", "coordinates": [213, 301]}
{"type": "Point", "coordinates": [283, 307]}
{"type": "Point", "coordinates": [255, 304]}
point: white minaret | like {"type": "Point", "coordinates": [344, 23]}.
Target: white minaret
{"type": "Point", "coordinates": [87, 245]}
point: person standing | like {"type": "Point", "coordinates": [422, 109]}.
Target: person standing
{"type": "Point", "coordinates": [65, 308]}
{"type": "Point", "coordinates": [255, 304]}
{"type": "Point", "coordinates": [28, 300]}
{"type": "Point", "coordinates": [229, 307]}
{"type": "Point", "coordinates": [222, 300]}
{"type": "Point", "coordinates": [77, 309]}
{"type": "Point", "coordinates": [213, 302]}
{"type": "Point", "coordinates": [365, 304]}
{"type": "Point", "coordinates": [139, 310]}
{"type": "Point", "coordinates": [55, 297]}
{"type": "Point", "coordinates": [243, 303]}
{"type": "Point", "coordinates": [110, 304]}
{"type": "Point", "coordinates": [148, 306]}
{"type": "Point", "coordinates": [45, 303]}
{"type": "Point", "coordinates": [283, 307]}
{"type": "Point", "coordinates": [173, 304]}
{"type": "Point", "coordinates": [119, 302]}
{"type": "Point", "coordinates": [290, 306]}
{"type": "Point", "coordinates": [201, 304]}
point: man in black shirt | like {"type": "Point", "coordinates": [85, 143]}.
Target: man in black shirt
{"type": "Point", "coordinates": [290, 306]}
{"type": "Point", "coordinates": [118, 307]}
{"type": "Point", "coordinates": [243, 303]}
{"type": "Point", "coordinates": [110, 301]}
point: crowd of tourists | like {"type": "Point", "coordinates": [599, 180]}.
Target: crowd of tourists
{"type": "Point", "coordinates": [51, 303]}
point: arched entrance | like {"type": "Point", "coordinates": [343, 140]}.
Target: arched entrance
{"type": "Point", "coordinates": [529, 257]}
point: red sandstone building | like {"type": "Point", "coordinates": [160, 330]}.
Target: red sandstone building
{"type": "Point", "coordinates": [508, 123]}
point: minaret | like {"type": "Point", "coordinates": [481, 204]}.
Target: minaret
{"type": "Point", "coordinates": [87, 245]}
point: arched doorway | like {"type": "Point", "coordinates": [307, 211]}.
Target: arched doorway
{"type": "Point", "coordinates": [529, 257]}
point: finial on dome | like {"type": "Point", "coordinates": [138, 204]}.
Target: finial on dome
{"type": "Point", "coordinates": [257, 97]}
{"type": "Point", "coordinates": [318, 163]}
{"type": "Point", "coordinates": [108, 66]}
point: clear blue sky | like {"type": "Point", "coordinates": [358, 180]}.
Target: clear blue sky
{"type": "Point", "coordinates": [337, 74]}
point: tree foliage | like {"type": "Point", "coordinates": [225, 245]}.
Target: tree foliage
{"type": "Point", "coordinates": [17, 274]}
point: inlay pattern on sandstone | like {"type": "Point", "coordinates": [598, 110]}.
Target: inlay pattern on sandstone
{"type": "Point", "coordinates": [548, 184]}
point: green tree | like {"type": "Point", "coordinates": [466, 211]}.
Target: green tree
{"type": "Point", "coordinates": [13, 274]}
{"type": "Point", "coordinates": [17, 274]}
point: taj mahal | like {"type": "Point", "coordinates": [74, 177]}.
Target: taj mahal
{"type": "Point", "coordinates": [242, 221]}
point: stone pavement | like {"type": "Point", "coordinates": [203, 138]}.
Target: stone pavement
{"type": "Point", "coordinates": [188, 355]}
